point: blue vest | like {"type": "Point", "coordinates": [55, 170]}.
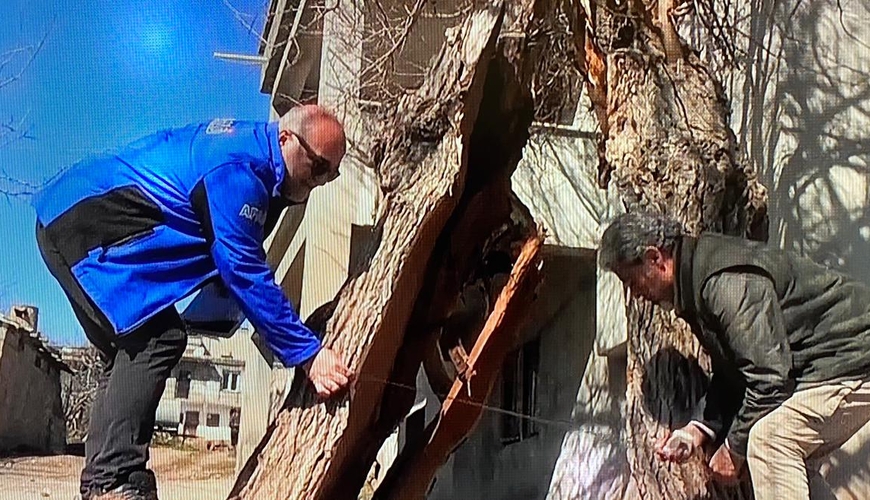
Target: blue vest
{"type": "Point", "coordinates": [143, 227]}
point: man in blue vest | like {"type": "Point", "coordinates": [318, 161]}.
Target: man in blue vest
{"type": "Point", "coordinates": [128, 234]}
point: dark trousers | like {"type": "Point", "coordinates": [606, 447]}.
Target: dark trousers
{"type": "Point", "coordinates": [130, 386]}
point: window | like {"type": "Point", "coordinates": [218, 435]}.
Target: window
{"type": "Point", "coordinates": [235, 417]}
{"type": "Point", "coordinates": [230, 381]}
{"type": "Point", "coordinates": [531, 373]}
{"type": "Point", "coordinates": [235, 420]}
{"type": "Point", "coordinates": [182, 384]}
{"type": "Point", "coordinates": [213, 420]}
{"type": "Point", "coordinates": [520, 393]}
{"type": "Point", "coordinates": [191, 423]}
{"type": "Point", "coordinates": [510, 425]}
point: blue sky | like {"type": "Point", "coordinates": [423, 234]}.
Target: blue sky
{"type": "Point", "coordinates": [110, 71]}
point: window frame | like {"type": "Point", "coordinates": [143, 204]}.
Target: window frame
{"type": "Point", "coordinates": [520, 385]}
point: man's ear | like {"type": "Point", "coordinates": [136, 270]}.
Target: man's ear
{"type": "Point", "coordinates": [283, 136]}
{"type": "Point", "coordinates": [652, 255]}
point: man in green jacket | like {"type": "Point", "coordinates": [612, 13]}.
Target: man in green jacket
{"type": "Point", "coordinates": [789, 342]}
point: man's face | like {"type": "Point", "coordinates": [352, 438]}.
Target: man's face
{"type": "Point", "coordinates": [652, 278]}
{"type": "Point", "coordinates": [311, 161]}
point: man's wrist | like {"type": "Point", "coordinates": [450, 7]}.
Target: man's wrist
{"type": "Point", "coordinates": [706, 430]}
{"type": "Point", "coordinates": [698, 433]}
{"type": "Point", "coordinates": [306, 365]}
{"type": "Point", "coordinates": [734, 454]}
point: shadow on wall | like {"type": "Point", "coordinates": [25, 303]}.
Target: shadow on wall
{"type": "Point", "coordinates": [804, 118]}
{"type": "Point", "coordinates": [593, 462]}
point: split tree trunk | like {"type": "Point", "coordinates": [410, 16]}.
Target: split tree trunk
{"type": "Point", "coordinates": [304, 452]}
{"type": "Point", "coordinates": [667, 144]}
{"type": "Point", "coordinates": [444, 165]}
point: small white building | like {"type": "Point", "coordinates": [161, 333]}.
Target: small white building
{"type": "Point", "coordinates": [202, 398]}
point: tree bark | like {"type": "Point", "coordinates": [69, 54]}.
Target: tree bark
{"type": "Point", "coordinates": [445, 175]}
{"type": "Point", "coordinates": [666, 144]}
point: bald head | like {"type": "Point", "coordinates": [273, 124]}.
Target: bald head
{"type": "Point", "coordinates": [319, 127]}
{"type": "Point", "coordinates": [313, 143]}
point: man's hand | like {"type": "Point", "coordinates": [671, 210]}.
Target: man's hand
{"type": "Point", "coordinates": [328, 373]}
{"type": "Point", "coordinates": [725, 466]}
{"type": "Point", "coordinates": [681, 444]}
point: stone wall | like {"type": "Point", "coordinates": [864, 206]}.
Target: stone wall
{"type": "Point", "coordinates": [31, 415]}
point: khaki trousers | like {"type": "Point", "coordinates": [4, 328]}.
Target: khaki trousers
{"type": "Point", "coordinates": [788, 446]}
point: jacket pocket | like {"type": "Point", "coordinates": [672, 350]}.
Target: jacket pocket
{"type": "Point", "coordinates": [131, 238]}
{"type": "Point", "coordinates": [127, 242]}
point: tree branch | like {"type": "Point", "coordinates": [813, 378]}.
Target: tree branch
{"type": "Point", "coordinates": [29, 52]}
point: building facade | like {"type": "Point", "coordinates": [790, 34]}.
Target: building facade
{"type": "Point", "coordinates": [202, 398]}
{"type": "Point", "coordinates": [31, 413]}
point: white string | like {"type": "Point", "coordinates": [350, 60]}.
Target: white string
{"type": "Point", "coordinates": [565, 424]}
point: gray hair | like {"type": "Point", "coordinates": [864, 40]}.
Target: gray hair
{"type": "Point", "coordinates": [629, 235]}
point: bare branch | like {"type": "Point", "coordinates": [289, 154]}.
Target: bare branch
{"type": "Point", "coordinates": [249, 25]}
{"type": "Point", "coordinates": [399, 41]}
{"type": "Point", "coordinates": [846, 30]}
{"type": "Point", "coordinates": [13, 130]}
{"type": "Point", "coordinates": [28, 52]}
{"type": "Point", "coordinates": [79, 390]}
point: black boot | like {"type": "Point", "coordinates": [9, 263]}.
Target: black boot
{"type": "Point", "coordinates": [140, 485]}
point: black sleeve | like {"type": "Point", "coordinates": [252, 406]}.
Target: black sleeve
{"type": "Point", "coordinates": [721, 403]}
{"type": "Point", "coordinates": [753, 332]}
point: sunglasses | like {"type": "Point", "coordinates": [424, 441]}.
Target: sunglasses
{"type": "Point", "coordinates": [321, 169]}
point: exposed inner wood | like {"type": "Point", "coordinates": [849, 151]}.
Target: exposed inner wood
{"type": "Point", "coordinates": [452, 237]}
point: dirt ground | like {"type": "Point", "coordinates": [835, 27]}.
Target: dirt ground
{"type": "Point", "coordinates": [181, 475]}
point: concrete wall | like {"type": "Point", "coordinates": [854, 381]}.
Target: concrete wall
{"type": "Point", "coordinates": [31, 416]}
{"type": "Point", "coordinates": [254, 398]}
{"type": "Point", "coordinates": [801, 111]}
